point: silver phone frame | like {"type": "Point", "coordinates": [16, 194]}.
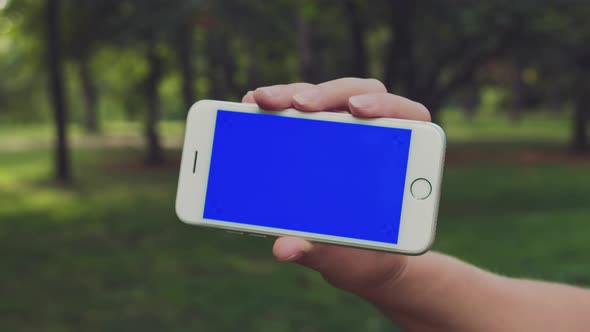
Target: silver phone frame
{"type": "Point", "coordinates": [418, 220]}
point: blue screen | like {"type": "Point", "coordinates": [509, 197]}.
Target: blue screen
{"type": "Point", "coordinates": [306, 175]}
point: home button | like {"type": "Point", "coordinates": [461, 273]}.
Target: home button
{"type": "Point", "coordinates": [421, 189]}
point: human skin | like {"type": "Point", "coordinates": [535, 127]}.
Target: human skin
{"type": "Point", "coordinates": [432, 292]}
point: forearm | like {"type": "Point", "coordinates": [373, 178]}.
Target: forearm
{"type": "Point", "coordinates": [444, 294]}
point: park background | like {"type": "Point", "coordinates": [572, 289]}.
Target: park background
{"type": "Point", "coordinates": [93, 96]}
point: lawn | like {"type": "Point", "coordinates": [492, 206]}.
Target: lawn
{"type": "Point", "coordinates": [109, 254]}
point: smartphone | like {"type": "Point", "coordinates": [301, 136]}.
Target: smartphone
{"type": "Point", "coordinates": [327, 177]}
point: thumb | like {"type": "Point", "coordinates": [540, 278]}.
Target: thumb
{"type": "Point", "coordinates": [351, 269]}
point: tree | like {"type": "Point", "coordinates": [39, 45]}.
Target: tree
{"type": "Point", "coordinates": [185, 52]}
{"type": "Point", "coordinates": [84, 32]}
{"type": "Point", "coordinates": [253, 43]}
{"type": "Point", "coordinates": [557, 45]}
{"type": "Point", "coordinates": [580, 141]}
{"type": "Point", "coordinates": [436, 49]}
{"type": "Point", "coordinates": [304, 44]}
{"type": "Point", "coordinates": [151, 26]}
{"type": "Point", "coordinates": [56, 87]}
{"type": "Point", "coordinates": [358, 26]}
{"type": "Point", "coordinates": [154, 154]}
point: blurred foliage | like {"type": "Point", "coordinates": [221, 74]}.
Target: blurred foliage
{"type": "Point", "coordinates": [439, 53]}
{"type": "Point", "coordinates": [238, 45]}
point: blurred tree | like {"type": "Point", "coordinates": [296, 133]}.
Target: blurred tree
{"type": "Point", "coordinates": [222, 63]}
{"type": "Point", "coordinates": [427, 50]}
{"type": "Point", "coordinates": [557, 45]}
{"type": "Point", "coordinates": [85, 30]}
{"type": "Point", "coordinates": [436, 49]}
{"type": "Point", "coordinates": [519, 91]}
{"type": "Point", "coordinates": [304, 41]}
{"type": "Point", "coordinates": [471, 100]}
{"type": "Point", "coordinates": [154, 155]}
{"type": "Point", "coordinates": [581, 118]}
{"type": "Point", "coordinates": [152, 27]}
{"type": "Point", "coordinates": [185, 51]}
{"type": "Point", "coordinates": [305, 15]}
{"type": "Point", "coordinates": [56, 86]}
{"type": "Point", "coordinates": [250, 43]}
{"type": "Point", "coordinates": [356, 12]}
{"type": "Point", "coordinates": [23, 96]}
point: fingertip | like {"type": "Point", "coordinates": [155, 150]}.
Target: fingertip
{"type": "Point", "coordinates": [373, 105]}
{"type": "Point", "coordinates": [268, 97]}
{"type": "Point", "coordinates": [249, 97]}
{"type": "Point", "coordinates": [355, 109]}
{"type": "Point", "coordinates": [425, 113]}
{"type": "Point", "coordinates": [288, 249]}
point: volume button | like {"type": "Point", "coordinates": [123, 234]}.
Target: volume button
{"type": "Point", "coordinates": [257, 235]}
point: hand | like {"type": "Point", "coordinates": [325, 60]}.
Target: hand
{"type": "Point", "coordinates": [361, 271]}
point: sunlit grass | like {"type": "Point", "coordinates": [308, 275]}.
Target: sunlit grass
{"type": "Point", "coordinates": [494, 126]}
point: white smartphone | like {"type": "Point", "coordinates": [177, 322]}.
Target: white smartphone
{"type": "Point", "coordinates": [326, 177]}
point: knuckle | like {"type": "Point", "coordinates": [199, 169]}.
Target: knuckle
{"type": "Point", "coordinates": [302, 85]}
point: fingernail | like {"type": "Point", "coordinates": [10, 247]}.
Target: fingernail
{"type": "Point", "coordinates": [362, 101]}
{"type": "Point", "coordinates": [247, 95]}
{"type": "Point", "coordinates": [304, 250]}
{"type": "Point", "coordinates": [292, 257]}
{"type": "Point", "coordinates": [307, 97]}
{"type": "Point", "coordinates": [271, 91]}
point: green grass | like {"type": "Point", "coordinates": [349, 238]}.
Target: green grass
{"type": "Point", "coordinates": [109, 254]}
{"type": "Point", "coordinates": [488, 125]}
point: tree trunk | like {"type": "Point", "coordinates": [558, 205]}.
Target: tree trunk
{"type": "Point", "coordinates": [400, 64]}
{"type": "Point", "coordinates": [216, 71]}
{"type": "Point", "coordinates": [154, 155]}
{"type": "Point", "coordinates": [90, 96]}
{"type": "Point", "coordinates": [184, 54]}
{"type": "Point", "coordinates": [305, 49]}
{"type": "Point", "coordinates": [518, 95]}
{"type": "Point", "coordinates": [228, 67]}
{"type": "Point", "coordinates": [57, 91]}
{"type": "Point", "coordinates": [357, 29]}
{"type": "Point", "coordinates": [472, 101]}
{"type": "Point", "coordinates": [253, 68]}
{"type": "Point", "coordinates": [580, 142]}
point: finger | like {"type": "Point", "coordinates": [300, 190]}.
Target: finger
{"type": "Point", "coordinates": [277, 97]}
{"type": "Point", "coordinates": [290, 248]}
{"type": "Point", "coordinates": [335, 94]}
{"type": "Point", "coordinates": [347, 268]}
{"type": "Point", "coordinates": [249, 98]}
{"type": "Point", "coordinates": [372, 105]}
